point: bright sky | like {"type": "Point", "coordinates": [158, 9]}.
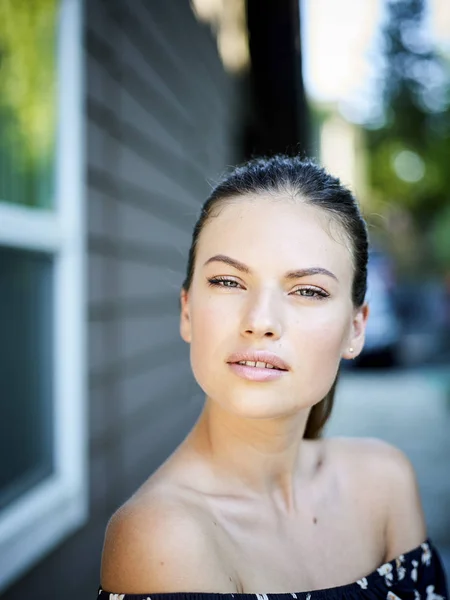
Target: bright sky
{"type": "Point", "coordinates": [440, 22]}
{"type": "Point", "coordinates": [336, 36]}
{"type": "Point", "coordinates": [340, 46]}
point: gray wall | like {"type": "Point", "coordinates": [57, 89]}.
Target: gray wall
{"type": "Point", "coordinates": [163, 120]}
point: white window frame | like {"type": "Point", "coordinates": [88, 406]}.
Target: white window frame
{"type": "Point", "coordinates": [36, 522]}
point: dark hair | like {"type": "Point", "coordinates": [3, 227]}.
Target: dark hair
{"type": "Point", "coordinates": [292, 176]}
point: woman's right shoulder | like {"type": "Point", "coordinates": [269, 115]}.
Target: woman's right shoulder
{"type": "Point", "coordinates": [157, 542]}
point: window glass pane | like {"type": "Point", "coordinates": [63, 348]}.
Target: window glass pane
{"type": "Point", "coordinates": [26, 353]}
{"type": "Point", "coordinates": [27, 101]}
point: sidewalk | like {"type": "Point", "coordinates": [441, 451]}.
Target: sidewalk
{"type": "Point", "coordinates": [410, 410]}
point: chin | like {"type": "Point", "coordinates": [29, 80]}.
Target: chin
{"type": "Point", "coordinates": [257, 404]}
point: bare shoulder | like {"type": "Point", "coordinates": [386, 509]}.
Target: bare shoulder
{"type": "Point", "coordinates": [157, 543]}
{"type": "Point", "coordinates": [389, 474]}
{"type": "Point", "coordinates": [373, 453]}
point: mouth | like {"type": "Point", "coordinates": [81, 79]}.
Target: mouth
{"type": "Point", "coordinates": [258, 359]}
{"type": "Point", "coordinates": [258, 365]}
{"type": "Point", "coordinates": [256, 371]}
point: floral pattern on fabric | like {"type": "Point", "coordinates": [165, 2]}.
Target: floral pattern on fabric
{"type": "Point", "coordinates": [401, 571]}
{"type": "Point", "coordinates": [363, 583]}
{"type": "Point", "coordinates": [392, 596]}
{"type": "Point", "coordinates": [387, 571]}
{"type": "Point", "coordinates": [415, 575]}
{"type": "Point", "coordinates": [431, 595]}
{"type": "Point", "coordinates": [426, 555]}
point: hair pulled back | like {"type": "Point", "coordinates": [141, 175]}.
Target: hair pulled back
{"type": "Point", "coordinates": [293, 177]}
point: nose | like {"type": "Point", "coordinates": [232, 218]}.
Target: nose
{"type": "Point", "coordinates": [262, 317]}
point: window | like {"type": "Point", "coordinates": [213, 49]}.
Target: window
{"type": "Point", "coordinates": [43, 479]}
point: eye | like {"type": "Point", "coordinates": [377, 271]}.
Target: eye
{"type": "Point", "coordinates": [311, 292]}
{"type": "Point", "coordinates": [223, 282]}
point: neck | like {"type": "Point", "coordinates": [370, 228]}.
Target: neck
{"type": "Point", "coordinates": [267, 458]}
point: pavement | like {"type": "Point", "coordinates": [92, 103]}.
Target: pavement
{"type": "Point", "coordinates": [410, 409]}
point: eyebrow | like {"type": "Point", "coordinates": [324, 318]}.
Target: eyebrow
{"type": "Point", "coordinates": [298, 273]}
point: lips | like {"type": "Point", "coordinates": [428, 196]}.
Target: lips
{"type": "Point", "coordinates": [260, 356]}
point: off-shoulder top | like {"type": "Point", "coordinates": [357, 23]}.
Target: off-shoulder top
{"type": "Point", "coordinates": [415, 575]}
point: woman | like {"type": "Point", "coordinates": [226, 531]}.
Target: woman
{"type": "Point", "coordinates": [254, 501]}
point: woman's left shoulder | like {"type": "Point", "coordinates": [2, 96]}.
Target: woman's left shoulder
{"type": "Point", "coordinates": [373, 453]}
{"type": "Point", "coordinates": [391, 475]}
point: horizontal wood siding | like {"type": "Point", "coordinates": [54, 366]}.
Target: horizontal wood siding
{"type": "Point", "coordinates": [163, 121]}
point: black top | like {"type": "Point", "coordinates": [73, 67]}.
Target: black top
{"type": "Point", "coordinates": [416, 575]}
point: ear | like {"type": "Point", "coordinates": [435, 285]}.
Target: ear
{"type": "Point", "coordinates": [357, 332]}
{"type": "Point", "coordinates": [185, 318]}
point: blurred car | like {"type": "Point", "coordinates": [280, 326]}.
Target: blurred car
{"type": "Point", "coordinates": [422, 304]}
{"type": "Point", "coordinates": [383, 331]}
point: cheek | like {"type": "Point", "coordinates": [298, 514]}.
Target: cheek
{"type": "Point", "coordinates": [211, 316]}
{"type": "Point", "coordinates": [322, 335]}
{"type": "Point", "coordinates": [213, 331]}
{"type": "Point", "coordinates": [319, 351]}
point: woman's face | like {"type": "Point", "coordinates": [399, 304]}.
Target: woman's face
{"type": "Point", "coordinates": [265, 304]}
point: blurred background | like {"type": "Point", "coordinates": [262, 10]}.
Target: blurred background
{"type": "Point", "coordinates": [116, 118]}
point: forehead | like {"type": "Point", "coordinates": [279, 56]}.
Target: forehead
{"type": "Point", "coordinates": [276, 232]}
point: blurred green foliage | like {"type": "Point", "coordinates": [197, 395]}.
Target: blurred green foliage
{"type": "Point", "coordinates": [27, 100]}
{"type": "Point", "coordinates": [409, 153]}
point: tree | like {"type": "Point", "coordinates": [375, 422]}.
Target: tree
{"type": "Point", "coordinates": [28, 87]}
{"type": "Point", "coordinates": [409, 154]}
